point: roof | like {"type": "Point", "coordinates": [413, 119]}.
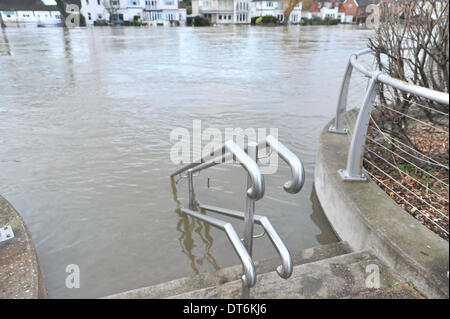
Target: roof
{"type": "Point", "coordinates": [32, 5]}
{"type": "Point", "coordinates": [318, 5]}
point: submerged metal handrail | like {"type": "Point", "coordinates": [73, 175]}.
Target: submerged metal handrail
{"type": "Point", "coordinates": [292, 186]}
{"type": "Point", "coordinates": [249, 276]}
{"type": "Point", "coordinates": [285, 269]}
{"type": "Point", "coordinates": [256, 191]}
{"type": "Point", "coordinates": [255, 183]}
{"type": "Point", "coordinates": [353, 170]}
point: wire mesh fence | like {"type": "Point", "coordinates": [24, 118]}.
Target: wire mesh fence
{"type": "Point", "coordinates": [406, 150]}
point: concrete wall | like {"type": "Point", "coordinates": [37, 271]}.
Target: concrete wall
{"type": "Point", "coordinates": [368, 219]}
{"type": "Point", "coordinates": [20, 273]}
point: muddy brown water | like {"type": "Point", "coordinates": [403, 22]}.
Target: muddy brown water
{"type": "Point", "coordinates": [86, 116]}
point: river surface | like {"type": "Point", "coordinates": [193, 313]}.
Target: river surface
{"type": "Point", "coordinates": [86, 116]}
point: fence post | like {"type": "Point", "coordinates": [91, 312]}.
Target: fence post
{"type": "Point", "coordinates": [353, 172]}
{"type": "Point", "coordinates": [339, 127]}
{"type": "Point", "coordinates": [252, 152]}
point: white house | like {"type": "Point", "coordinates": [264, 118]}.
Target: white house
{"type": "Point", "coordinates": [276, 9]}
{"type": "Point", "coordinates": [241, 11]}
{"type": "Point", "coordinates": [223, 11]}
{"type": "Point", "coordinates": [145, 10]}
{"type": "Point", "coordinates": [163, 10]}
{"type": "Point", "coordinates": [93, 10]}
{"type": "Point", "coordinates": [32, 12]}
{"type": "Point", "coordinates": [324, 9]}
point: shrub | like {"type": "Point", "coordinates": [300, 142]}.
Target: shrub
{"type": "Point", "coordinates": [269, 20]}
{"type": "Point", "coordinates": [200, 21]}
{"type": "Point", "coordinates": [253, 20]}
{"type": "Point", "coordinates": [320, 21]}
{"type": "Point", "coordinates": [264, 20]}
{"type": "Point", "coordinates": [331, 21]}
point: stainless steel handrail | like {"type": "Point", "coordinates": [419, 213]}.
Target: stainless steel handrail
{"type": "Point", "coordinates": [298, 171]}
{"type": "Point", "coordinates": [440, 97]}
{"type": "Point", "coordinates": [292, 186]}
{"type": "Point", "coordinates": [353, 171]}
{"type": "Point", "coordinates": [256, 191]}
{"type": "Point", "coordinates": [248, 159]}
{"type": "Point", "coordinates": [249, 276]}
{"type": "Point", "coordinates": [285, 269]}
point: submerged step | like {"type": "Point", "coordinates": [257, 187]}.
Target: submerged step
{"type": "Point", "coordinates": [233, 273]}
{"type": "Point", "coordinates": [336, 277]}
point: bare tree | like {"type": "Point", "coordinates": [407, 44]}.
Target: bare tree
{"type": "Point", "coordinates": [412, 44]}
{"type": "Point", "coordinates": [288, 5]}
{"type": "Point", "coordinates": [112, 6]}
{"type": "Point", "coordinates": [62, 10]}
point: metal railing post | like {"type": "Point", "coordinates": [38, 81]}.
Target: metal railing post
{"type": "Point", "coordinates": [191, 189]}
{"type": "Point", "coordinates": [252, 152]}
{"type": "Point", "coordinates": [339, 127]}
{"type": "Point", "coordinates": [353, 172]}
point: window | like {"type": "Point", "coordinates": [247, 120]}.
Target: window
{"type": "Point", "coordinates": [220, 17]}
{"type": "Point", "coordinates": [98, 2]}
{"type": "Point", "coordinates": [87, 2]}
{"type": "Point", "coordinates": [89, 16]}
{"type": "Point", "coordinates": [99, 16]}
{"type": "Point", "coordinates": [350, 5]}
{"type": "Point", "coordinates": [134, 2]}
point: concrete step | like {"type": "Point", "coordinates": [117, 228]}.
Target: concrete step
{"type": "Point", "coordinates": [336, 277]}
{"type": "Point", "coordinates": [231, 274]}
{"type": "Point", "coordinates": [400, 291]}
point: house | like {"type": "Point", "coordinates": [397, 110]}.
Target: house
{"type": "Point", "coordinates": [324, 9]}
{"type": "Point", "coordinates": [32, 12]}
{"type": "Point", "coordinates": [152, 11]}
{"type": "Point", "coordinates": [346, 12]}
{"type": "Point", "coordinates": [350, 9]}
{"type": "Point", "coordinates": [275, 8]}
{"type": "Point", "coordinates": [241, 11]}
{"type": "Point", "coordinates": [223, 11]}
{"type": "Point", "coordinates": [163, 10]}
{"type": "Point", "coordinates": [93, 10]}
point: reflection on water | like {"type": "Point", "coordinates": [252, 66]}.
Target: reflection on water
{"type": "Point", "coordinates": [86, 116]}
{"type": "Point", "coordinates": [186, 226]}
{"type": "Point", "coordinates": [6, 42]}
{"type": "Point", "coordinates": [196, 234]}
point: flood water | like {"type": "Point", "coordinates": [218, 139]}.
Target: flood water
{"type": "Point", "coordinates": [86, 117]}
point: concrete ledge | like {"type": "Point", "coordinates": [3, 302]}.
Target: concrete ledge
{"type": "Point", "coordinates": [368, 219]}
{"type": "Point", "coordinates": [20, 274]}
